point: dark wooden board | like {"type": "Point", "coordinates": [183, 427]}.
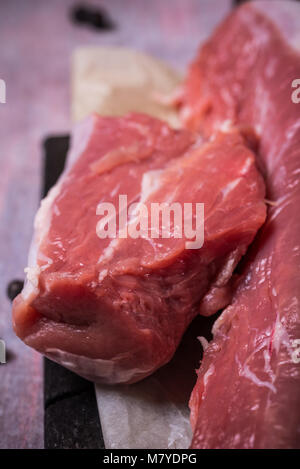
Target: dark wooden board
{"type": "Point", "coordinates": [71, 414]}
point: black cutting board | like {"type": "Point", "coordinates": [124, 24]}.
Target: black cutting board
{"type": "Point", "coordinates": [71, 413]}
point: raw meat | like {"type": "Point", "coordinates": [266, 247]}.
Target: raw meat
{"type": "Point", "coordinates": [248, 389]}
{"type": "Point", "coordinates": [115, 310]}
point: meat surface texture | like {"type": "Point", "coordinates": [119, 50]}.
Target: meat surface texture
{"type": "Point", "coordinates": [114, 310]}
{"type": "Point", "coordinates": [248, 389]}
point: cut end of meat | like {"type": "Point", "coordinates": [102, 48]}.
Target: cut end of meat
{"type": "Point", "coordinates": [114, 310]}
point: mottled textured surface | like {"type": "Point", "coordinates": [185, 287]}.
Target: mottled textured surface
{"type": "Point", "coordinates": [37, 41]}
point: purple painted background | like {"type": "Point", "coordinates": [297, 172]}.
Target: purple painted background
{"type": "Point", "coordinates": [37, 39]}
